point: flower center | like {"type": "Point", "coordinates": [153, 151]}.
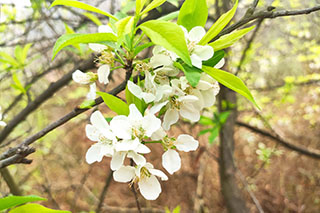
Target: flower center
{"type": "Point", "coordinates": [106, 57]}
{"type": "Point", "coordinates": [105, 140]}
{"type": "Point", "coordinates": [138, 132]}
{"type": "Point", "coordinates": [144, 172]}
{"type": "Point", "coordinates": [174, 102]}
{"type": "Point", "coordinates": [191, 46]}
{"type": "Point", "coordinates": [167, 142]}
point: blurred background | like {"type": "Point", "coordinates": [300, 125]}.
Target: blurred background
{"type": "Point", "coordinates": [275, 151]}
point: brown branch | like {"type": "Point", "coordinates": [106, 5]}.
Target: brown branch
{"type": "Point", "coordinates": [104, 191]}
{"type": "Point", "coordinates": [268, 13]}
{"type": "Point", "coordinates": [49, 92]}
{"type": "Point", "coordinates": [310, 153]}
{"type": "Point", "coordinates": [12, 185]}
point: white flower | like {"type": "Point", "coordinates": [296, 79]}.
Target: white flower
{"type": "Point", "coordinates": [100, 132]}
{"type": "Point", "coordinates": [145, 175]}
{"type": "Point", "coordinates": [135, 125]}
{"type": "Point", "coordinates": [198, 53]}
{"type": "Point", "coordinates": [151, 91]}
{"type": "Point", "coordinates": [177, 102]}
{"type": "Point", "coordinates": [81, 77]}
{"type": "Point", "coordinates": [171, 160]}
{"type": "Point", "coordinates": [132, 130]}
{"type": "Point", "coordinates": [103, 74]}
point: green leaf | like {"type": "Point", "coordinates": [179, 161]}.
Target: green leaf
{"type": "Point", "coordinates": [229, 39]}
{"type": "Point", "coordinates": [18, 85]}
{"type": "Point", "coordinates": [202, 132]}
{"type": "Point", "coordinates": [138, 49]}
{"type": "Point", "coordinates": [18, 53]}
{"type": "Point", "coordinates": [131, 99]}
{"type": "Point", "coordinates": [9, 59]}
{"type": "Point", "coordinates": [124, 26]}
{"type": "Point", "coordinates": [193, 13]}
{"type": "Point", "coordinates": [25, 52]}
{"type": "Point", "coordinates": [231, 81]}
{"type": "Point", "coordinates": [214, 134]}
{"type": "Point", "coordinates": [33, 207]}
{"type": "Point", "coordinates": [205, 120]}
{"type": "Point", "coordinates": [192, 74]}
{"type": "Point", "coordinates": [69, 30]}
{"type": "Point", "coordinates": [215, 59]}
{"type": "Point", "coordinates": [169, 35]}
{"type": "Point", "coordinates": [87, 104]}
{"type": "Point", "coordinates": [219, 25]}
{"type": "Point", "coordinates": [169, 16]}
{"type": "Point", "coordinates": [153, 4]}
{"type": "Point", "coordinates": [81, 5]}
{"type": "Point", "coordinates": [177, 209]}
{"type": "Point", "coordinates": [12, 201]}
{"type": "Point", "coordinates": [114, 103]}
{"type": "Point", "coordinates": [76, 38]}
{"type": "Point", "coordinates": [139, 5]}
{"type": "Point", "coordinates": [93, 18]}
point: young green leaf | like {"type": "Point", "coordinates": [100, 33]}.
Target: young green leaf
{"type": "Point", "coordinates": [139, 5]}
{"type": "Point", "coordinates": [33, 207]}
{"type": "Point", "coordinates": [81, 5]}
{"type": "Point", "coordinates": [25, 52]}
{"type": "Point", "coordinates": [6, 58]}
{"type": "Point", "coordinates": [93, 18]}
{"type": "Point", "coordinates": [231, 81]}
{"type": "Point", "coordinates": [229, 39]}
{"type": "Point", "coordinates": [215, 59]}
{"type": "Point", "coordinates": [12, 201]}
{"type": "Point", "coordinates": [138, 49]}
{"type": "Point", "coordinates": [69, 30]}
{"type": "Point", "coordinates": [114, 103]}
{"type": "Point", "coordinates": [169, 35]}
{"type": "Point", "coordinates": [193, 13]}
{"type": "Point", "coordinates": [192, 74]}
{"type": "Point", "coordinates": [76, 38]}
{"type": "Point", "coordinates": [87, 104]}
{"type": "Point", "coordinates": [153, 4]}
{"type": "Point", "coordinates": [124, 26]}
{"type": "Point", "coordinates": [219, 25]}
{"type": "Point", "coordinates": [169, 16]}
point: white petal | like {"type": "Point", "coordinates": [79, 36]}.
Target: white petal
{"type": "Point", "coordinates": [188, 111]}
{"type": "Point", "coordinates": [170, 117]}
{"type": "Point", "coordinates": [151, 124]}
{"type": "Point", "coordinates": [162, 91]}
{"type": "Point", "coordinates": [185, 31]}
{"type": "Point", "coordinates": [127, 145]}
{"type": "Point", "coordinates": [103, 74]}
{"type": "Point", "coordinates": [220, 64]}
{"type": "Point", "coordinates": [157, 107]}
{"type": "Point", "coordinates": [158, 135]}
{"type": "Point", "coordinates": [204, 85]}
{"type": "Point", "coordinates": [92, 93]}
{"type": "Point", "coordinates": [92, 132]}
{"type": "Point", "coordinates": [134, 89]}
{"type": "Point", "coordinates": [117, 160]}
{"type": "Point", "coordinates": [160, 60]}
{"type": "Point", "coordinates": [186, 143]}
{"type": "Point", "coordinates": [148, 97]}
{"type": "Point", "coordinates": [138, 159]}
{"type": "Point", "coordinates": [81, 77]}
{"type": "Point", "coordinates": [196, 61]}
{"type": "Point", "coordinates": [150, 188]}
{"type": "Point", "coordinates": [188, 98]}
{"type": "Point", "coordinates": [97, 47]}
{"type": "Point", "coordinates": [93, 154]}
{"type": "Point", "coordinates": [124, 174]}
{"type": "Point", "coordinates": [158, 173]}
{"type": "Point", "coordinates": [203, 52]}
{"type": "Point", "coordinates": [171, 161]}
{"type": "Point", "coordinates": [196, 34]}
{"type": "Point", "coordinates": [209, 97]}
{"type": "Point", "coordinates": [134, 114]}
{"type": "Point", "coordinates": [143, 149]}
{"type": "Point", "coordinates": [121, 127]}
{"type": "Point", "coordinates": [98, 121]}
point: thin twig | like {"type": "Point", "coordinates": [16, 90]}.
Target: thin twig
{"type": "Point", "coordinates": [313, 154]}
{"type": "Point", "coordinates": [104, 191]}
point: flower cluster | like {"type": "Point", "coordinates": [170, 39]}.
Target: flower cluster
{"type": "Point", "coordinates": [167, 96]}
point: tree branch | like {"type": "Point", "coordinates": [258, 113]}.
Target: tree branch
{"type": "Point", "coordinates": [313, 154]}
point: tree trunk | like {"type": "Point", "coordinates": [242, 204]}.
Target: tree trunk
{"type": "Point", "coordinates": [229, 188]}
